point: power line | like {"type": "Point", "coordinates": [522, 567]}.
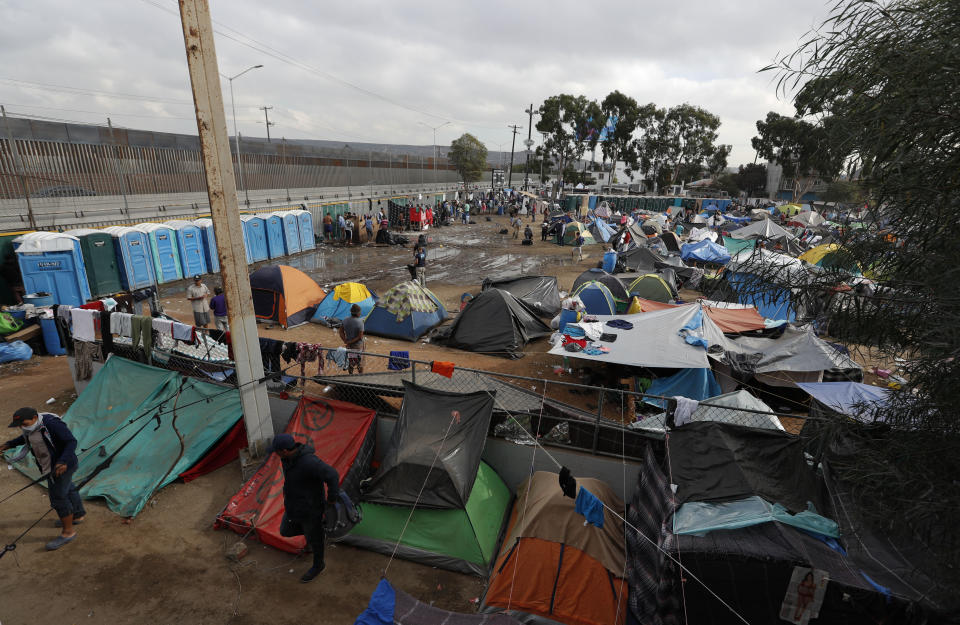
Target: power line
{"type": "Point", "coordinates": [27, 84]}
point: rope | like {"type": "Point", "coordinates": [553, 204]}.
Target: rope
{"type": "Point", "coordinates": [628, 524]}
{"type": "Point", "coordinates": [13, 545]}
{"type": "Point", "coordinates": [23, 488]}
{"type": "Point", "coordinates": [417, 500]}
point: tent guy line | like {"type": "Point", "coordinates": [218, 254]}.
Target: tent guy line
{"type": "Point", "coordinates": [621, 518]}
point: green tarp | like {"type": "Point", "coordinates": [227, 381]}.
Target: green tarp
{"type": "Point", "coordinates": [123, 390]}
{"type": "Point", "coordinates": [735, 246]}
{"type": "Point", "coordinates": [456, 539]}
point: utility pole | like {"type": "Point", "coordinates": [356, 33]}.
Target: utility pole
{"type": "Point", "coordinates": [266, 118]}
{"type": "Point", "coordinates": [118, 167]}
{"type": "Point", "coordinates": [529, 144]}
{"type": "Point", "coordinates": [222, 195]}
{"type": "Point", "coordinates": [513, 144]}
{"type": "Point", "coordinates": [20, 169]}
{"type": "Point", "coordinates": [543, 156]}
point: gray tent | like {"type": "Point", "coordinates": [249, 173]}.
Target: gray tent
{"type": "Point", "coordinates": [496, 322]}
{"type": "Point", "coordinates": [640, 258]}
{"type": "Point", "coordinates": [440, 429]}
{"type": "Point", "coordinates": [538, 292]}
{"type": "Point", "coordinates": [764, 229]}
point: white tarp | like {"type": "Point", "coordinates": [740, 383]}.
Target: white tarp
{"type": "Point", "coordinates": [734, 411]}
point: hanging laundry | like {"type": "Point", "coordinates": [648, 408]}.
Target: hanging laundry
{"type": "Point", "coordinates": [109, 303]}
{"type": "Point", "coordinates": [93, 306]}
{"type": "Point", "coordinates": [308, 352]}
{"type": "Point", "coordinates": [183, 332]}
{"type": "Point", "coordinates": [106, 336]}
{"type": "Point", "coordinates": [684, 410]}
{"type": "Point", "coordinates": [270, 354]}
{"type": "Point", "coordinates": [398, 361]}
{"type": "Point", "coordinates": [85, 352]}
{"type": "Point", "coordinates": [338, 356]}
{"type": "Point", "coordinates": [63, 312]}
{"type": "Point", "coordinates": [141, 331]}
{"type": "Point", "coordinates": [442, 368]}
{"type": "Point", "coordinates": [567, 483]}
{"type": "Point", "coordinates": [289, 353]}
{"type": "Point", "coordinates": [164, 327]}
{"type": "Point", "coordinates": [83, 328]}
{"type": "Point", "coordinates": [590, 507]}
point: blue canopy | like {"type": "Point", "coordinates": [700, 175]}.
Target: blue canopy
{"type": "Point", "coordinates": [705, 251]}
{"type": "Point", "coordinates": [698, 384]}
{"type": "Point", "coordinates": [850, 398]}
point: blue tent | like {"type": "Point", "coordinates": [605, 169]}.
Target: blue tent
{"type": "Point", "coordinates": [209, 244]}
{"type": "Point", "coordinates": [305, 219]}
{"type": "Point", "coordinates": [771, 301]}
{"type": "Point", "coordinates": [596, 298]}
{"type": "Point", "coordinates": [705, 251]}
{"type": "Point", "coordinates": [698, 384]}
{"type": "Point", "coordinates": [276, 246]}
{"type": "Point", "coordinates": [51, 262]}
{"type": "Point", "coordinates": [602, 230]}
{"type": "Point", "coordinates": [133, 257]}
{"type": "Point", "coordinates": [124, 391]}
{"type": "Point", "coordinates": [193, 260]}
{"type": "Point", "coordinates": [407, 311]}
{"type": "Point", "coordinates": [255, 238]}
{"type": "Point", "coordinates": [291, 231]}
{"type": "Point", "coordinates": [337, 304]}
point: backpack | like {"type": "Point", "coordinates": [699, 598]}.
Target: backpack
{"type": "Point", "coordinates": [341, 517]}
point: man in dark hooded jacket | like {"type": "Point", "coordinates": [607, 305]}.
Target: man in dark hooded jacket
{"type": "Point", "coordinates": [305, 476]}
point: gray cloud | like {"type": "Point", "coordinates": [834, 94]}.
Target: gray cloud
{"type": "Point", "coordinates": [476, 64]}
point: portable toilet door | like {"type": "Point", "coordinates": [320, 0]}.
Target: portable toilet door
{"type": "Point", "coordinates": [163, 248]}
{"type": "Point", "coordinates": [274, 226]}
{"type": "Point", "coordinates": [100, 260]}
{"type": "Point", "coordinates": [134, 257]}
{"type": "Point", "coordinates": [305, 219]}
{"type": "Point", "coordinates": [52, 262]}
{"type": "Point", "coordinates": [209, 244]}
{"type": "Point", "coordinates": [255, 235]}
{"type": "Point", "coordinates": [190, 242]}
{"type": "Point", "coordinates": [291, 231]}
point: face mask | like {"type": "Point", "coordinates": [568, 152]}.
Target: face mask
{"type": "Point", "coordinates": [32, 428]}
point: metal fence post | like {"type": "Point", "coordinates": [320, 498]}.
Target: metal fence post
{"type": "Point", "coordinates": [413, 372]}
{"type": "Point", "coordinates": [596, 427]}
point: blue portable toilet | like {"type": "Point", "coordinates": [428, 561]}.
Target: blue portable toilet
{"type": "Point", "coordinates": [255, 237]}
{"type": "Point", "coordinates": [291, 231]}
{"type": "Point", "coordinates": [305, 218]}
{"type": "Point", "coordinates": [193, 261]}
{"type": "Point", "coordinates": [164, 251]}
{"type": "Point", "coordinates": [209, 243]}
{"type": "Point", "coordinates": [51, 262]}
{"type": "Point", "coordinates": [134, 258]}
{"type": "Point", "coordinates": [274, 226]}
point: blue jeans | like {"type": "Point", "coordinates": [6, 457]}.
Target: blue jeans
{"type": "Point", "coordinates": [64, 497]}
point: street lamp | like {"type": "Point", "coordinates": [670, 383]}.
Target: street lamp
{"type": "Point", "coordinates": [434, 129]}
{"type": "Point", "coordinates": [236, 136]}
{"type": "Point", "coordinates": [529, 144]}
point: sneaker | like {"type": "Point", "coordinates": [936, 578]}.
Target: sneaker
{"type": "Point", "coordinates": [312, 573]}
{"type": "Point", "coordinates": [59, 541]}
{"type": "Point", "coordinates": [76, 521]}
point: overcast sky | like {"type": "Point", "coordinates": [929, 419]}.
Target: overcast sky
{"type": "Point", "coordinates": [383, 71]}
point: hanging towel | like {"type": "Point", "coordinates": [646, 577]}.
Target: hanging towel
{"type": "Point", "coordinates": [83, 324]}
{"type": "Point", "coordinates": [182, 332]}
{"type": "Point", "coordinates": [109, 303]}
{"type": "Point", "coordinates": [567, 483]}
{"type": "Point", "coordinates": [684, 410]}
{"type": "Point", "coordinates": [590, 507]}
{"type": "Point", "coordinates": [93, 306]}
{"type": "Point", "coordinates": [398, 360]}
{"type": "Point", "coordinates": [443, 368]}
{"type": "Point", "coordinates": [338, 356]}
{"type": "Point", "coordinates": [164, 327]}
{"type": "Point", "coordinates": [120, 323]}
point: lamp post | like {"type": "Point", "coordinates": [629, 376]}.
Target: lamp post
{"type": "Point", "coordinates": [236, 136]}
{"type": "Point", "coordinates": [434, 129]}
{"type": "Point", "coordinates": [543, 155]}
{"type": "Point", "coordinates": [529, 144]}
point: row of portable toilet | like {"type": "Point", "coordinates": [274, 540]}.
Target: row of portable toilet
{"type": "Point", "coordinates": [78, 265]}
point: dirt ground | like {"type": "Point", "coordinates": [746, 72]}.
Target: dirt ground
{"type": "Point", "coordinates": [167, 565]}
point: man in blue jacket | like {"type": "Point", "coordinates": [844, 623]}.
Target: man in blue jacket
{"type": "Point", "coordinates": [54, 450]}
{"type": "Point", "coordinates": [305, 476]}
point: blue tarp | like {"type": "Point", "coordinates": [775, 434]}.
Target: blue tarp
{"type": "Point", "coordinates": [123, 390]}
{"type": "Point", "coordinates": [696, 384]}
{"type": "Point", "coordinates": [850, 398]}
{"type": "Point", "coordinates": [700, 517]}
{"type": "Point", "coordinates": [705, 251]}
{"type": "Point", "coordinates": [380, 609]}
{"type": "Point", "coordinates": [604, 229]}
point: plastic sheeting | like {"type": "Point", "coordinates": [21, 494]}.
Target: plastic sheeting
{"type": "Point", "coordinates": [700, 518]}
{"type": "Point", "coordinates": [705, 251]}
{"type": "Point", "coordinates": [850, 398]}
{"type": "Point", "coordinates": [732, 412]}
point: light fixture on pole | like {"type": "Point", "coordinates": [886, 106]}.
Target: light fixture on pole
{"type": "Point", "coordinates": [434, 129]}
{"type": "Point", "coordinates": [529, 144]}
{"type": "Point", "coordinates": [236, 136]}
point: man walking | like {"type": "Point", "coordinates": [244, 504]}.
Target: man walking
{"type": "Point", "coordinates": [420, 263]}
{"type": "Point", "coordinates": [351, 333]}
{"type": "Point", "coordinates": [198, 293]}
{"type": "Point", "coordinates": [304, 478]}
{"type": "Point", "coordinates": [54, 450]}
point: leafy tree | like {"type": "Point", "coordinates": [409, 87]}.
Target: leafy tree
{"type": "Point", "coordinates": [690, 132]}
{"type": "Point", "coordinates": [469, 157]}
{"type": "Point", "coordinates": [653, 149]}
{"type": "Point", "coordinates": [845, 192]}
{"type": "Point", "coordinates": [752, 178]}
{"type": "Point", "coordinates": [802, 148]}
{"type": "Point", "coordinates": [629, 118]}
{"type": "Point", "coordinates": [728, 182]}
{"type": "Point", "coordinates": [572, 124]}
{"type": "Point", "coordinates": [880, 80]}
{"type": "Point", "coordinates": [717, 163]}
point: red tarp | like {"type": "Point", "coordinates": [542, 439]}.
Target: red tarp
{"type": "Point", "coordinates": [731, 320]}
{"type": "Point", "coordinates": [336, 429]}
{"type": "Point", "coordinates": [223, 453]}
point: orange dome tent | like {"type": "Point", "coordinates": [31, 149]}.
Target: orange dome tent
{"type": "Point", "coordinates": [284, 295]}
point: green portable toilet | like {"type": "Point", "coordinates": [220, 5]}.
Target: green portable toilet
{"type": "Point", "coordinates": [100, 261]}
